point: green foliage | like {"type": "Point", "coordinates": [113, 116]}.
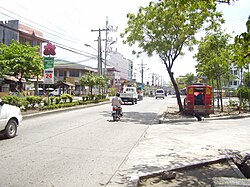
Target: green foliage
{"type": "Point", "coordinates": [33, 100]}
{"type": "Point", "coordinates": [166, 27]}
{"type": "Point", "coordinates": [246, 79]}
{"type": "Point", "coordinates": [242, 47]}
{"type": "Point", "coordinates": [244, 92]}
{"type": "Point", "coordinates": [58, 99]}
{"type": "Point", "coordinates": [216, 62]}
{"type": "Point", "coordinates": [23, 102]}
{"type": "Point", "coordinates": [68, 104]}
{"type": "Point", "coordinates": [64, 97]}
{"type": "Point", "coordinates": [92, 80]}
{"type": "Point", "coordinates": [52, 98]}
{"type": "Point", "coordinates": [22, 60]}
{"type": "Point", "coordinates": [111, 91]}
{"type": "Point", "coordinates": [12, 100]}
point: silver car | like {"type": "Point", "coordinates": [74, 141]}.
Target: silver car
{"type": "Point", "coordinates": [160, 93]}
{"type": "Point", "coordinates": [10, 119]}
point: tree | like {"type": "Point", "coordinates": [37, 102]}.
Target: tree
{"type": "Point", "coordinates": [242, 52]}
{"type": "Point", "coordinates": [22, 61]}
{"type": "Point", "coordinates": [88, 80]}
{"type": "Point", "coordinates": [165, 27]}
{"type": "Point", "coordinates": [215, 63]}
{"type": "Point", "coordinates": [246, 79]}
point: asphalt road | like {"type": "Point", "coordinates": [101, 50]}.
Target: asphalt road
{"type": "Point", "coordinates": [75, 148]}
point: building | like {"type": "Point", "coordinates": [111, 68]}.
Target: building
{"type": "Point", "coordinates": [14, 30]}
{"type": "Point", "coordinates": [70, 73]}
{"type": "Point", "coordinates": [123, 68]}
{"type": "Point", "coordinates": [237, 77]}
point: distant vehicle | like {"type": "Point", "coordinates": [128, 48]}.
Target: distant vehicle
{"type": "Point", "coordinates": [159, 93]}
{"type": "Point", "coordinates": [55, 92]}
{"type": "Point", "coordinates": [40, 91]}
{"type": "Point", "coordinates": [10, 119]}
{"type": "Point", "coordinates": [129, 94]}
{"type": "Point", "coordinates": [199, 100]}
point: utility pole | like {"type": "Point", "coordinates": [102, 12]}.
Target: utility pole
{"type": "Point", "coordinates": [142, 70]}
{"type": "Point", "coordinates": [105, 58]}
{"type": "Point", "coordinates": [99, 50]}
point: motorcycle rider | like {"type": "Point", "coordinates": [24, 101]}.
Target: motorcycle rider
{"type": "Point", "coordinates": [117, 101]}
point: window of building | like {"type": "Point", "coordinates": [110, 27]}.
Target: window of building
{"type": "Point", "coordinates": [62, 73]}
{"type": "Point", "coordinates": [74, 73]}
{"type": "Point", "coordinates": [230, 83]}
{"type": "Point", "coordinates": [235, 72]}
{"type": "Point", "coordinates": [235, 83]}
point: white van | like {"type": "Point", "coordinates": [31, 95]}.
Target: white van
{"type": "Point", "coordinates": [159, 93]}
{"type": "Point", "coordinates": [55, 92]}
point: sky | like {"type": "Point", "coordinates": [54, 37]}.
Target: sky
{"type": "Point", "coordinates": [70, 23]}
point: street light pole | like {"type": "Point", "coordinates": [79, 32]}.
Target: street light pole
{"type": "Point", "coordinates": [99, 50]}
{"type": "Point", "coordinates": [105, 58]}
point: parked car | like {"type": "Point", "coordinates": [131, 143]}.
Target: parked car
{"type": "Point", "coordinates": [159, 93]}
{"type": "Point", "coordinates": [55, 92]}
{"type": "Point", "coordinates": [10, 119]}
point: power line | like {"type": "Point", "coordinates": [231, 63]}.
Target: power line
{"type": "Point", "coordinates": [57, 44]}
{"type": "Point", "coordinates": [73, 39]}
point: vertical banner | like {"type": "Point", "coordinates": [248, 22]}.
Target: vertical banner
{"type": "Point", "coordinates": [48, 70]}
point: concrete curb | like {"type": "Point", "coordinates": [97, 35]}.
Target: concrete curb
{"type": "Point", "coordinates": [133, 181]}
{"type": "Point", "coordinates": [47, 112]}
{"type": "Point", "coordinates": [239, 116]}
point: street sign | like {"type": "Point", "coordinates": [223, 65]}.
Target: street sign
{"type": "Point", "coordinates": [48, 70]}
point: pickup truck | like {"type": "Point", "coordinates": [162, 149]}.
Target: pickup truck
{"type": "Point", "coordinates": [129, 94]}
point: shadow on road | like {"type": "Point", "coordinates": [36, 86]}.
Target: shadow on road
{"type": "Point", "coordinates": [142, 118]}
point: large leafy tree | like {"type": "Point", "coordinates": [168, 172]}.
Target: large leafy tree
{"type": "Point", "coordinates": [242, 48]}
{"type": "Point", "coordinates": [92, 80]}
{"type": "Point", "coordinates": [165, 27]}
{"type": "Point", "coordinates": [213, 58]}
{"type": "Point", "coordinates": [22, 61]}
{"type": "Point", "coordinates": [242, 52]}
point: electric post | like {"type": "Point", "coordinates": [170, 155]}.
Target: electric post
{"type": "Point", "coordinates": [99, 50]}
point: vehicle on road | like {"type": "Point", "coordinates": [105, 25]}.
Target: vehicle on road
{"type": "Point", "coordinates": [129, 94]}
{"type": "Point", "coordinates": [199, 100]}
{"type": "Point", "coordinates": [10, 119]}
{"type": "Point", "coordinates": [116, 113]}
{"type": "Point", "coordinates": [159, 93]}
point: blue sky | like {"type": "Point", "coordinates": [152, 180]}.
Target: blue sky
{"type": "Point", "coordinates": [70, 23]}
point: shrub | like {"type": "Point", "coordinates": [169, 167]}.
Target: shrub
{"type": "Point", "coordinates": [64, 97]}
{"type": "Point", "coordinates": [58, 99]}
{"type": "Point", "coordinates": [52, 98]}
{"type": "Point", "coordinates": [12, 100]}
{"type": "Point", "coordinates": [244, 92]}
{"type": "Point", "coordinates": [33, 100]}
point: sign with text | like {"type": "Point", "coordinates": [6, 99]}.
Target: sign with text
{"type": "Point", "coordinates": [48, 70]}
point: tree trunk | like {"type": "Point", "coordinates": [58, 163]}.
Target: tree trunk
{"type": "Point", "coordinates": [218, 93]}
{"type": "Point", "coordinates": [177, 92]}
{"type": "Point", "coordinates": [213, 90]}
{"type": "Point", "coordinates": [221, 102]}
{"type": "Point", "coordinates": [91, 90]}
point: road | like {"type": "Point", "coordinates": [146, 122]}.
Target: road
{"type": "Point", "coordinates": [76, 148]}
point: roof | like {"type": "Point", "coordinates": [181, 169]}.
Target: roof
{"type": "Point", "coordinates": [64, 64]}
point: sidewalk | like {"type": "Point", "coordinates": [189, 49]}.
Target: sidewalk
{"type": "Point", "coordinates": [170, 145]}
{"type": "Point", "coordinates": [166, 146]}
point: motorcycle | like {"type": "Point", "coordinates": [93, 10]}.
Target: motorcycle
{"type": "Point", "coordinates": [116, 113]}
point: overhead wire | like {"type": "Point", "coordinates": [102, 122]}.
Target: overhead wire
{"type": "Point", "coordinates": [57, 44]}
{"type": "Point", "coordinates": [37, 28]}
{"type": "Point", "coordinates": [45, 31]}
{"type": "Point", "coordinates": [62, 46]}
